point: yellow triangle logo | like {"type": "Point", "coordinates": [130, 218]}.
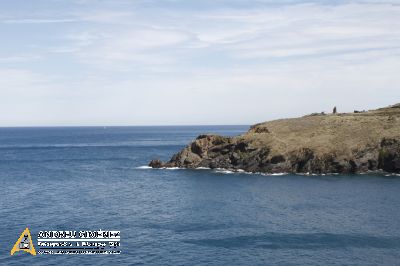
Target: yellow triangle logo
{"type": "Point", "coordinates": [24, 243]}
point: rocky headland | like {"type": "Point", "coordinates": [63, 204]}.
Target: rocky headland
{"type": "Point", "coordinates": [319, 143]}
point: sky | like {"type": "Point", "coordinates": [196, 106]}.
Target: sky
{"type": "Point", "coordinates": [194, 62]}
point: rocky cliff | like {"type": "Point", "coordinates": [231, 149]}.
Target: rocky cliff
{"type": "Point", "coordinates": [318, 143]}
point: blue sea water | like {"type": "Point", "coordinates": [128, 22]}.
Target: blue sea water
{"type": "Point", "coordinates": [90, 178]}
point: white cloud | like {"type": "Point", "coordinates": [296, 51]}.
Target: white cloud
{"type": "Point", "coordinates": [302, 30]}
{"type": "Point", "coordinates": [37, 21]}
{"type": "Point", "coordinates": [20, 58]}
{"type": "Point", "coordinates": [105, 16]}
{"type": "Point", "coordinates": [268, 32]}
{"type": "Point", "coordinates": [135, 46]}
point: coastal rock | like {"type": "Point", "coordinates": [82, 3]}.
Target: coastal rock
{"type": "Point", "coordinates": [389, 159]}
{"type": "Point", "coordinates": [335, 143]}
{"type": "Point", "coordinates": [156, 164]}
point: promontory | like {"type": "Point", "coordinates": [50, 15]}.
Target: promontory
{"type": "Point", "coordinates": [356, 142]}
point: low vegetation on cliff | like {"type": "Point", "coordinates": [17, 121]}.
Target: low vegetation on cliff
{"type": "Point", "coordinates": [318, 143]}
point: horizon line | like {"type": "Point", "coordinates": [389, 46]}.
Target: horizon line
{"type": "Point", "coordinates": [105, 126]}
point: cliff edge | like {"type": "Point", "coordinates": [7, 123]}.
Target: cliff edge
{"type": "Point", "coordinates": [318, 143]}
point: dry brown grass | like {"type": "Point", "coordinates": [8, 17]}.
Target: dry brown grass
{"type": "Point", "coordinates": [337, 133]}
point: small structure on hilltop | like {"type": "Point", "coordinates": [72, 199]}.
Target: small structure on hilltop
{"type": "Point", "coordinates": [334, 110]}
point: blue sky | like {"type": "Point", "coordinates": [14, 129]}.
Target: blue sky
{"type": "Point", "coordinates": [177, 62]}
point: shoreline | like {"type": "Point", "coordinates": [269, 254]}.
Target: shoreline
{"type": "Point", "coordinates": [241, 171]}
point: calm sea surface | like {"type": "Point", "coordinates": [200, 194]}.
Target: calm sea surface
{"type": "Point", "coordinates": [91, 178]}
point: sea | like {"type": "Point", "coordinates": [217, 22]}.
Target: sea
{"type": "Point", "coordinates": [96, 178]}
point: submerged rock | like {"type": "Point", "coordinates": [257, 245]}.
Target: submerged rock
{"type": "Point", "coordinates": [340, 143]}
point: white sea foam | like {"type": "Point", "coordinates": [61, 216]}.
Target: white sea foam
{"type": "Point", "coordinates": [279, 174]}
{"type": "Point", "coordinates": [392, 174]}
{"type": "Point", "coordinates": [241, 171]}
{"type": "Point", "coordinates": [223, 171]}
{"type": "Point", "coordinates": [272, 174]}
{"type": "Point", "coordinates": [165, 168]}
{"type": "Point", "coordinates": [144, 167]}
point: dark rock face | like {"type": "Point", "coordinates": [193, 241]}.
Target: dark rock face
{"type": "Point", "coordinates": [156, 164]}
{"type": "Point", "coordinates": [389, 159]}
{"type": "Point", "coordinates": [214, 151]}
